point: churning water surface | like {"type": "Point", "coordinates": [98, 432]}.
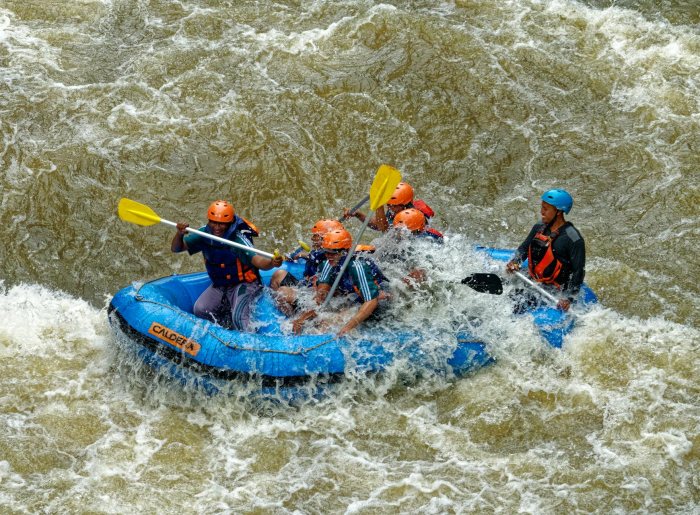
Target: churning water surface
{"type": "Point", "coordinates": [287, 109]}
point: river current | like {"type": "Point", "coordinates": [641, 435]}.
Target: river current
{"type": "Point", "coordinates": [287, 109]}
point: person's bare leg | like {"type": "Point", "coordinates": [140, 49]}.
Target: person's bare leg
{"type": "Point", "coordinates": [285, 299]}
{"type": "Point", "coordinates": [277, 278]}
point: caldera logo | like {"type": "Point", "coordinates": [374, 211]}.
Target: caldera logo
{"type": "Point", "coordinates": [191, 347]}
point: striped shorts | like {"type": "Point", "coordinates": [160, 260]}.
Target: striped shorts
{"type": "Point", "coordinates": [228, 306]}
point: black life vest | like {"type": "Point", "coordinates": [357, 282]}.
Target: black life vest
{"type": "Point", "coordinates": [543, 265]}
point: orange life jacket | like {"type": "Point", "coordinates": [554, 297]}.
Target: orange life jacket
{"type": "Point", "coordinates": [433, 233]}
{"type": "Point", "coordinates": [424, 208]}
{"type": "Point", "coordinates": [543, 265]}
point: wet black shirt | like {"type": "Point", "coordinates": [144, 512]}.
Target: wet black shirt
{"type": "Point", "coordinates": [569, 248]}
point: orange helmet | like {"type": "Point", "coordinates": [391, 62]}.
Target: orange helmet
{"type": "Point", "coordinates": [220, 211]}
{"type": "Point", "coordinates": [411, 218]}
{"type": "Point", "coordinates": [337, 239]}
{"type": "Point", "coordinates": [324, 225]}
{"type": "Point", "coordinates": [403, 194]}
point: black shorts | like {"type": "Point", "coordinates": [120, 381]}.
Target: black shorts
{"type": "Point", "coordinates": [289, 280]}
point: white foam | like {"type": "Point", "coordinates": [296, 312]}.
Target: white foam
{"type": "Point", "coordinates": [617, 406]}
{"type": "Point", "coordinates": [26, 51]}
{"type": "Point", "coordinates": [9, 479]}
{"type": "Point", "coordinates": [38, 321]}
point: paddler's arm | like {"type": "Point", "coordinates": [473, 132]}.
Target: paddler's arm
{"type": "Point", "coordinates": [250, 258]}
{"type": "Point", "coordinates": [375, 223]}
{"type": "Point", "coordinates": [178, 244]}
{"type": "Point", "coordinates": [265, 263]}
{"type": "Point", "coordinates": [298, 324]}
{"type": "Point", "coordinates": [362, 314]}
{"type": "Point", "coordinates": [322, 290]}
{"type": "Point", "coordinates": [365, 280]}
{"type": "Point", "coordinates": [521, 252]}
{"type": "Point", "coordinates": [320, 296]}
{"type": "Point", "coordinates": [379, 221]}
{"type": "Point", "coordinates": [578, 271]}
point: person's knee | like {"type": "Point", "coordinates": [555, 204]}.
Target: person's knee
{"type": "Point", "coordinates": [205, 307]}
{"type": "Point", "coordinates": [277, 279]}
{"type": "Point", "coordinates": [286, 299]}
{"type": "Point", "coordinates": [202, 311]}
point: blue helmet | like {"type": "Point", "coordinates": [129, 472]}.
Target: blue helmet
{"type": "Point", "coordinates": [559, 199]}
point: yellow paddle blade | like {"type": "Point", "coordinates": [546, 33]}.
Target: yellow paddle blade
{"type": "Point", "coordinates": [383, 186]}
{"type": "Point", "coordinates": [135, 213]}
{"type": "Point", "coordinates": [304, 246]}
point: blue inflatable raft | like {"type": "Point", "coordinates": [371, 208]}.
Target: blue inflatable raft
{"type": "Point", "coordinates": [156, 320]}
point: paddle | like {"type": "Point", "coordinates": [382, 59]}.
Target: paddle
{"type": "Point", "coordinates": [532, 284]}
{"type": "Point", "coordinates": [357, 206]}
{"type": "Point", "coordinates": [491, 283]}
{"type": "Point", "coordinates": [484, 283]}
{"type": "Point", "coordinates": [140, 214]}
{"type": "Point", "coordinates": [303, 247]}
{"type": "Point", "coordinates": [385, 181]}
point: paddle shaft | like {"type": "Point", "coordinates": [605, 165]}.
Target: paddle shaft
{"type": "Point", "coordinates": [357, 206]}
{"type": "Point", "coordinates": [534, 285]}
{"type": "Point", "coordinates": [221, 240]}
{"type": "Point", "coordinates": [491, 283]}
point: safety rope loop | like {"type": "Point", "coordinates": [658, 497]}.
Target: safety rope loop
{"type": "Point", "coordinates": [304, 352]}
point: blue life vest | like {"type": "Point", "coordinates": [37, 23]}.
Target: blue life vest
{"type": "Point", "coordinates": [224, 266]}
{"type": "Point", "coordinates": [316, 257]}
{"type": "Point", "coordinates": [346, 285]}
{"type": "Point", "coordinates": [376, 272]}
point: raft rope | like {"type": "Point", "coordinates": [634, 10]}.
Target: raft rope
{"type": "Point", "coordinates": [230, 344]}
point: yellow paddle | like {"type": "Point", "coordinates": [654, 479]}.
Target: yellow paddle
{"type": "Point", "coordinates": [140, 214]}
{"type": "Point", "coordinates": [383, 186]}
{"type": "Point", "coordinates": [303, 247]}
{"type": "Point", "coordinates": [385, 181]}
